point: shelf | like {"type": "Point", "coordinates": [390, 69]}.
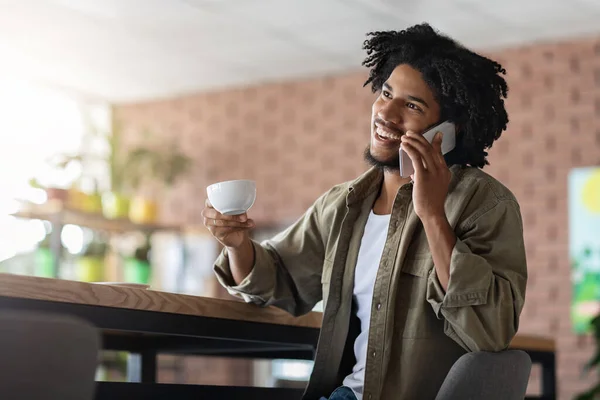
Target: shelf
{"type": "Point", "coordinates": [59, 212]}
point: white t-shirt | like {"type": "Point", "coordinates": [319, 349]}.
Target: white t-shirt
{"type": "Point", "coordinates": [367, 264]}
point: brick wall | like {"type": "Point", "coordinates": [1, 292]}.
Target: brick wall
{"type": "Point", "coordinates": [555, 125]}
{"type": "Point", "coordinates": [297, 139]}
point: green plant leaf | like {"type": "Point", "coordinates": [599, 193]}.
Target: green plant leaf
{"type": "Point", "coordinates": [593, 362]}
{"type": "Point", "coordinates": [590, 394]}
{"type": "Point", "coordinates": [145, 164]}
{"type": "Point", "coordinates": [594, 392]}
{"type": "Point", "coordinates": [34, 183]}
{"type": "Point", "coordinates": [595, 323]}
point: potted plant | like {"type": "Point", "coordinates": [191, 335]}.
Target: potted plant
{"type": "Point", "coordinates": [151, 168]}
{"type": "Point", "coordinates": [129, 169]}
{"type": "Point", "coordinates": [92, 202]}
{"type": "Point", "coordinates": [90, 266]}
{"type": "Point", "coordinates": [114, 203]}
{"type": "Point", "coordinates": [137, 267]}
{"type": "Point", "coordinates": [75, 197]}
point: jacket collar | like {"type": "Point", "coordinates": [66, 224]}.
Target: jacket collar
{"type": "Point", "coordinates": [364, 185]}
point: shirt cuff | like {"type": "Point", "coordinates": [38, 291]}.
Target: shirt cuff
{"type": "Point", "coordinates": [254, 287]}
{"type": "Point", "coordinates": [470, 279]}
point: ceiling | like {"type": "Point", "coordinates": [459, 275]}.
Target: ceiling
{"type": "Point", "coordinates": [138, 50]}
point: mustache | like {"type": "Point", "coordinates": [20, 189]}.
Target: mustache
{"type": "Point", "coordinates": [389, 125]}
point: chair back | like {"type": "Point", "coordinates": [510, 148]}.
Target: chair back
{"type": "Point", "coordinates": [485, 375]}
{"type": "Point", "coordinates": [45, 356]}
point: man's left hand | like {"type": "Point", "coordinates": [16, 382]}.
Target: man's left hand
{"type": "Point", "coordinates": [431, 177]}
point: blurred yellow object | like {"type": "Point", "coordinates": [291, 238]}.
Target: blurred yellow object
{"type": "Point", "coordinates": [90, 269]}
{"type": "Point", "coordinates": [143, 211]}
{"type": "Point", "coordinates": [93, 203]}
{"type": "Point", "coordinates": [76, 199]}
{"type": "Point", "coordinates": [115, 205]}
{"type": "Point", "coordinates": [591, 193]}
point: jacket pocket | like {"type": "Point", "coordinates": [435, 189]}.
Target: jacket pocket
{"type": "Point", "coordinates": [418, 266]}
{"type": "Point", "coordinates": [416, 319]}
{"type": "Point", "coordinates": [412, 287]}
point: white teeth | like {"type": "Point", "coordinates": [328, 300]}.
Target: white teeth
{"type": "Point", "coordinates": [387, 135]}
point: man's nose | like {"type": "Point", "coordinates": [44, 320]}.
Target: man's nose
{"type": "Point", "coordinates": [391, 112]}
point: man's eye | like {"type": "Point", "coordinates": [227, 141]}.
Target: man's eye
{"type": "Point", "coordinates": [413, 106]}
{"type": "Point", "coordinates": [387, 94]}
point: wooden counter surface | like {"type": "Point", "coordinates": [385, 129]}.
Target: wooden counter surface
{"type": "Point", "coordinates": [58, 290]}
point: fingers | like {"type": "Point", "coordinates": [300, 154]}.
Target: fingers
{"type": "Point", "coordinates": [415, 156]}
{"type": "Point", "coordinates": [437, 145]}
{"type": "Point", "coordinates": [420, 144]}
{"type": "Point", "coordinates": [223, 226]}
{"type": "Point", "coordinates": [221, 234]}
{"type": "Point", "coordinates": [428, 152]}
{"type": "Point", "coordinates": [211, 213]}
{"type": "Point", "coordinates": [228, 223]}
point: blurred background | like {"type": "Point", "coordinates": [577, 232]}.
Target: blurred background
{"type": "Point", "coordinates": [116, 115]}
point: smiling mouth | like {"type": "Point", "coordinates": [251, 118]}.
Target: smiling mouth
{"type": "Point", "coordinates": [386, 134]}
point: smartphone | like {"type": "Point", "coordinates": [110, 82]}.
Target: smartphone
{"type": "Point", "coordinates": [447, 128]}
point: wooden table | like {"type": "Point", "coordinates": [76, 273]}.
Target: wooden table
{"type": "Point", "coordinates": [149, 322]}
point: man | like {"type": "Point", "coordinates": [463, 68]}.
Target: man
{"type": "Point", "coordinates": [414, 272]}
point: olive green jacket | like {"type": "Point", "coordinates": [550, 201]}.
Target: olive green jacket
{"type": "Point", "coordinates": [417, 330]}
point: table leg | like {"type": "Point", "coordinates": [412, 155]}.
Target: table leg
{"type": "Point", "coordinates": [549, 376]}
{"type": "Point", "coordinates": [149, 366]}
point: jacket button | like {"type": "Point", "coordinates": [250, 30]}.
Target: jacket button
{"type": "Point", "coordinates": [374, 353]}
{"type": "Point", "coordinates": [378, 306]}
{"type": "Point", "coordinates": [370, 396]}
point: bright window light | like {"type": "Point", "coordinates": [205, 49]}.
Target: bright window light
{"type": "Point", "coordinates": [36, 124]}
{"type": "Point", "coordinates": [292, 370]}
{"type": "Point", "coordinates": [72, 238]}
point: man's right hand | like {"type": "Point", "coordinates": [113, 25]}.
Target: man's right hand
{"type": "Point", "coordinates": [232, 231]}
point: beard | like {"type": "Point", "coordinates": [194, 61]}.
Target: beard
{"type": "Point", "coordinates": [390, 165]}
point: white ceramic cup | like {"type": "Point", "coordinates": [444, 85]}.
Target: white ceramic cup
{"type": "Point", "coordinates": [232, 197]}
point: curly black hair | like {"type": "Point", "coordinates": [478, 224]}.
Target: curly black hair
{"type": "Point", "coordinates": [469, 87]}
